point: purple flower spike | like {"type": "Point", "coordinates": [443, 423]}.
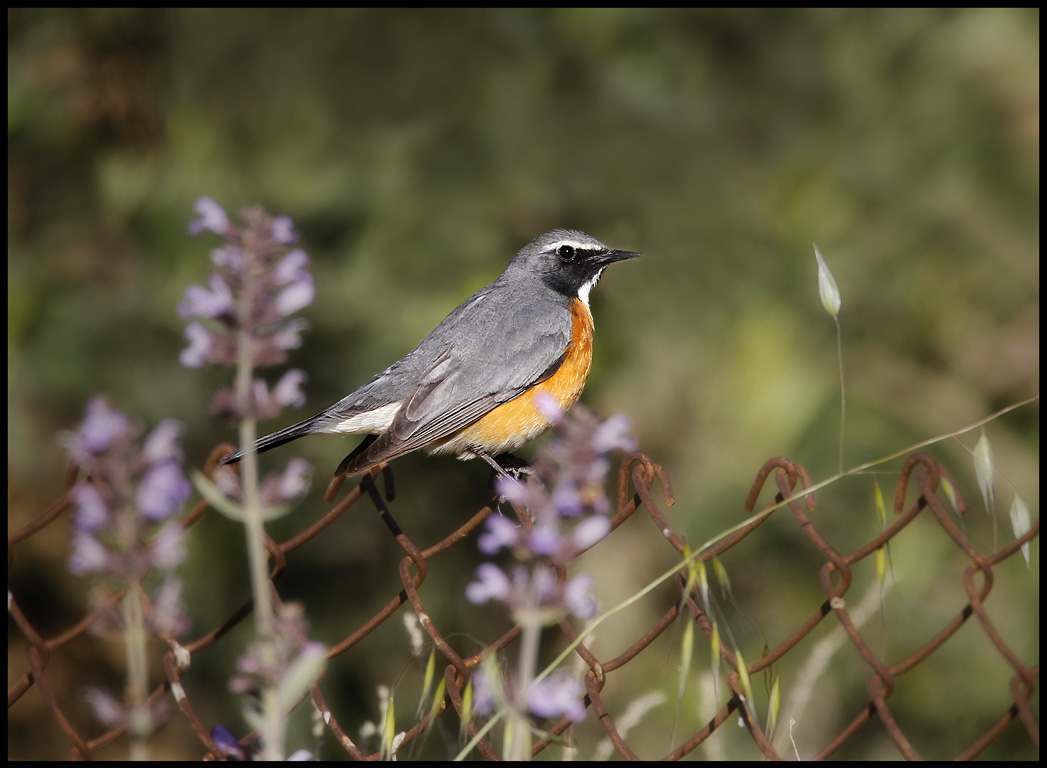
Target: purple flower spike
{"type": "Point", "coordinates": [257, 283]}
{"type": "Point", "coordinates": [500, 532]}
{"type": "Point", "coordinates": [212, 217]}
{"type": "Point", "coordinates": [283, 230]}
{"type": "Point", "coordinates": [491, 584]}
{"type": "Point", "coordinates": [557, 696]}
{"type": "Point", "coordinates": [162, 491]}
{"type": "Point", "coordinates": [214, 301]}
{"type": "Point", "coordinates": [102, 426]}
{"type": "Point", "coordinates": [200, 346]}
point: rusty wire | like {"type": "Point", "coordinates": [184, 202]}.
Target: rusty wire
{"type": "Point", "coordinates": [638, 474]}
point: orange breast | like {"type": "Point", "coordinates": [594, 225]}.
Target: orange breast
{"type": "Point", "coordinates": [512, 424]}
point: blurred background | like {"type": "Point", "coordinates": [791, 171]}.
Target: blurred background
{"type": "Point", "coordinates": [416, 151]}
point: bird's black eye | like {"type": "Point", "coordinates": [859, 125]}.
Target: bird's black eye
{"type": "Point", "coordinates": [566, 252]}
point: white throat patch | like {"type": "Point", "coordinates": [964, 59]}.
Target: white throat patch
{"type": "Point", "coordinates": [583, 292]}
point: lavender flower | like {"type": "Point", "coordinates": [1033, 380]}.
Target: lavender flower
{"type": "Point", "coordinates": [294, 664]}
{"type": "Point", "coordinates": [102, 428]}
{"type": "Point", "coordinates": [131, 491]}
{"type": "Point", "coordinates": [122, 531]}
{"type": "Point", "coordinates": [256, 285]}
{"type": "Point", "coordinates": [567, 504]}
{"type": "Point", "coordinates": [112, 713]}
{"type": "Point", "coordinates": [568, 484]}
{"type": "Point", "coordinates": [212, 217]}
{"type": "Point", "coordinates": [229, 746]}
{"type": "Point", "coordinates": [535, 596]}
{"type": "Point", "coordinates": [559, 695]}
{"type": "Point", "coordinates": [277, 489]}
{"type": "Point", "coordinates": [200, 344]}
{"type": "Point", "coordinates": [161, 492]}
{"type": "Point", "coordinates": [283, 230]}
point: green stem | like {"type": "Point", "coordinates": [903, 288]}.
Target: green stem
{"type": "Point", "coordinates": [527, 663]}
{"type": "Point", "coordinates": [139, 726]}
{"type": "Point", "coordinates": [272, 735]}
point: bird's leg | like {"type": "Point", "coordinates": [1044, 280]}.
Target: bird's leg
{"type": "Point", "coordinates": [513, 465]}
{"type": "Point", "coordinates": [506, 464]}
{"type": "Point", "coordinates": [498, 469]}
{"type": "Point", "coordinates": [510, 466]}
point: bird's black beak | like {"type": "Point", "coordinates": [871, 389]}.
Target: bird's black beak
{"type": "Point", "coordinates": [612, 256]}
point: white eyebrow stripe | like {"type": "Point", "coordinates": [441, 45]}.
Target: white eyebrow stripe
{"type": "Point", "coordinates": [577, 245]}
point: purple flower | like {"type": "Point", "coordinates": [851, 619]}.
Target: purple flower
{"type": "Point", "coordinates": [557, 696]}
{"type": "Point", "coordinates": [168, 548]}
{"type": "Point", "coordinates": [228, 745]}
{"type": "Point", "coordinates": [533, 596]}
{"type": "Point", "coordinates": [510, 488]}
{"type": "Point", "coordinates": [230, 258]}
{"type": "Point", "coordinates": [201, 302]}
{"type": "Point", "coordinates": [288, 390]}
{"type": "Point", "coordinates": [162, 443]}
{"type": "Point", "coordinates": [491, 584]}
{"type": "Point", "coordinates": [167, 616]}
{"type": "Point", "coordinates": [289, 336]}
{"type": "Point", "coordinates": [228, 482]}
{"type": "Point", "coordinates": [256, 284]}
{"type": "Point", "coordinates": [162, 491]}
{"type": "Point", "coordinates": [545, 538]}
{"type": "Point", "coordinates": [133, 486]}
{"type": "Point", "coordinates": [292, 483]}
{"type": "Point", "coordinates": [578, 596]}
{"type": "Point", "coordinates": [499, 532]}
{"type": "Point", "coordinates": [292, 267]}
{"type": "Point", "coordinates": [102, 426]}
{"type": "Point", "coordinates": [613, 434]}
{"type": "Point", "coordinates": [263, 403]}
{"type": "Point", "coordinates": [107, 710]}
{"type": "Point", "coordinates": [549, 407]}
{"type": "Point", "coordinates": [295, 479]}
{"type": "Point", "coordinates": [91, 510]}
{"type": "Point", "coordinates": [87, 555]}
{"type": "Point", "coordinates": [589, 531]}
{"type": "Point", "coordinates": [112, 713]}
{"type": "Point", "coordinates": [212, 217]}
{"type": "Point", "coordinates": [283, 230]}
{"type": "Point", "coordinates": [567, 499]}
{"type": "Point", "coordinates": [289, 660]}
{"type": "Point", "coordinates": [200, 346]}
{"type": "Point", "coordinates": [297, 295]}
{"type": "Point", "coordinates": [484, 692]}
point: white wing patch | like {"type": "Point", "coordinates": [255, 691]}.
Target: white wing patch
{"type": "Point", "coordinates": [373, 422]}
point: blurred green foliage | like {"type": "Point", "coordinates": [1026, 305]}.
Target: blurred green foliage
{"type": "Point", "coordinates": [417, 150]}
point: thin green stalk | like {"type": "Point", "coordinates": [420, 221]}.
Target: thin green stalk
{"type": "Point", "coordinates": [843, 389]}
{"type": "Point", "coordinates": [527, 663]}
{"type": "Point", "coordinates": [272, 735]}
{"type": "Point", "coordinates": [139, 725]}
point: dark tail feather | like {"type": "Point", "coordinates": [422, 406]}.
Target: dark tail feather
{"type": "Point", "coordinates": [293, 432]}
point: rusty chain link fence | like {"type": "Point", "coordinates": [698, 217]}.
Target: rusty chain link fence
{"type": "Point", "coordinates": [858, 703]}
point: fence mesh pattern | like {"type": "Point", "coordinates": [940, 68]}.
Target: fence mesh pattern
{"type": "Point", "coordinates": [643, 489]}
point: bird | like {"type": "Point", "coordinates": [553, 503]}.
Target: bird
{"type": "Point", "coordinates": [473, 386]}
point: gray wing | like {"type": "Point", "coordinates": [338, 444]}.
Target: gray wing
{"type": "Point", "coordinates": [393, 385]}
{"type": "Point", "coordinates": [505, 350]}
